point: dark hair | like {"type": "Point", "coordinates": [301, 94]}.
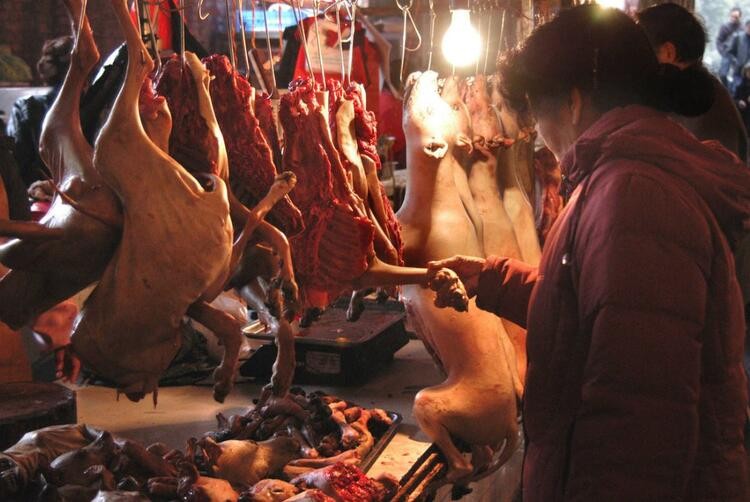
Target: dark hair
{"type": "Point", "coordinates": [604, 54]}
{"type": "Point", "coordinates": [55, 59]}
{"type": "Point", "coordinates": [673, 23]}
{"type": "Point", "coordinates": [736, 8]}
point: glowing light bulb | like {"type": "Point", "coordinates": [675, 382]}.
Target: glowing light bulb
{"type": "Point", "coordinates": [461, 43]}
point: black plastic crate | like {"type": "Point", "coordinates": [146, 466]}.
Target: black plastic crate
{"type": "Point", "coordinates": [334, 351]}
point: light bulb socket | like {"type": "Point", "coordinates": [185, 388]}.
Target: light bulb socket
{"type": "Point", "coordinates": [458, 4]}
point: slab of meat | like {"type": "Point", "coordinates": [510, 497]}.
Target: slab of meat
{"type": "Point", "coordinates": [337, 243]}
{"type": "Point", "coordinates": [346, 483]}
{"type": "Point", "coordinates": [191, 143]}
{"type": "Point", "coordinates": [176, 241]}
{"type": "Point", "coordinates": [46, 272]}
{"type": "Point", "coordinates": [499, 237]}
{"type": "Point", "coordinates": [265, 112]}
{"type": "Point", "coordinates": [252, 169]}
{"type": "Point", "coordinates": [477, 401]}
{"type": "Point", "coordinates": [515, 172]}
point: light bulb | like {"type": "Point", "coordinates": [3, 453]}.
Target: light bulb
{"type": "Point", "coordinates": [616, 4]}
{"type": "Point", "coordinates": [461, 43]}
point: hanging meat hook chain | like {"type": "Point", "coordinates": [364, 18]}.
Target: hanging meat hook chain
{"type": "Point", "coordinates": [406, 10]}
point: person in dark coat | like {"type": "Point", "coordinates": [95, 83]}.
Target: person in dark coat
{"type": "Point", "coordinates": [679, 39]}
{"type": "Point", "coordinates": [723, 42]}
{"type": "Point", "coordinates": [27, 117]}
{"type": "Point", "coordinates": [739, 50]}
{"type": "Point", "coordinates": [635, 387]}
{"type": "Point", "coordinates": [742, 95]}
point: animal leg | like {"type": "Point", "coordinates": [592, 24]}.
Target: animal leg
{"type": "Point", "coordinates": [229, 332]}
{"type": "Point", "coordinates": [430, 410]}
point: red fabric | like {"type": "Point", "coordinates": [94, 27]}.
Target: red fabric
{"type": "Point", "coordinates": [163, 24]}
{"type": "Point", "coordinates": [365, 61]}
{"type": "Point", "coordinates": [635, 388]}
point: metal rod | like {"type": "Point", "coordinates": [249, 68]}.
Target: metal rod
{"type": "Point", "coordinates": [341, 40]}
{"type": "Point", "coordinates": [298, 19]}
{"type": "Point", "coordinates": [502, 32]}
{"type": "Point", "coordinates": [352, 29]}
{"type": "Point", "coordinates": [489, 41]}
{"type": "Point", "coordinates": [182, 30]}
{"type": "Point", "coordinates": [151, 23]}
{"type": "Point", "coordinates": [244, 40]}
{"type": "Point", "coordinates": [317, 42]}
{"type": "Point", "coordinates": [479, 58]}
{"type": "Point", "coordinates": [270, 53]}
{"type": "Point", "coordinates": [433, 16]}
{"type": "Point", "coordinates": [230, 33]}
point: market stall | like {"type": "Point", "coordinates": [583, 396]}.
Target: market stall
{"type": "Point", "coordinates": [237, 258]}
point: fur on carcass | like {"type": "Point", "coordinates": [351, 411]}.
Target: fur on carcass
{"type": "Point", "coordinates": [477, 401]}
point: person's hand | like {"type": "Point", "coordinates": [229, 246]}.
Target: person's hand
{"type": "Point", "coordinates": [67, 364]}
{"type": "Point", "coordinates": [467, 268]}
{"type": "Point", "coordinates": [41, 190]}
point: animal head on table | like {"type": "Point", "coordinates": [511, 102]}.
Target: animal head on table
{"type": "Point", "coordinates": [435, 124]}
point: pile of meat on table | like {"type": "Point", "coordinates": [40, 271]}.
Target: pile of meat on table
{"type": "Point", "coordinates": [256, 456]}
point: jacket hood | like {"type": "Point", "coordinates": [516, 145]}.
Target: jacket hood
{"type": "Point", "coordinates": [647, 135]}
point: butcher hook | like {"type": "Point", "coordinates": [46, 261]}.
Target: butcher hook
{"type": "Point", "coordinates": [230, 33]}
{"type": "Point", "coordinates": [297, 19]}
{"type": "Point", "coordinates": [151, 23]}
{"type": "Point", "coordinates": [352, 28]}
{"type": "Point", "coordinates": [341, 41]}
{"type": "Point", "coordinates": [182, 31]}
{"type": "Point", "coordinates": [406, 9]}
{"type": "Point", "coordinates": [201, 16]}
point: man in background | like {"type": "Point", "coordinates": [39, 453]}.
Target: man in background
{"type": "Point", "coordinates": [723, 42]}
{"type": "Point", "coordinates": [27, 117]}
{"type": "Point", "coordinates": [679, 39]}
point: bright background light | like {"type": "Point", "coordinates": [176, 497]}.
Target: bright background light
{"type": "Point", "coordinates": [617, 4]}
{"type": "Point", "coordinates": [461, 43]}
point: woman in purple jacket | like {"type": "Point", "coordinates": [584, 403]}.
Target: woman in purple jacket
{"type": "Point", "coordinates": [635, 387]}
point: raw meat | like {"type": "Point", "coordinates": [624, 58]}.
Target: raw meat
{"type": "Point", "coordinates": [337, 244]}
{"type": "Point", "coordinates": [264, 110]}
{"type": "Point", "coordinates": [252, 170]}
{"type": "Point", "coordinates": [477, 402]}
{"type": "Point", "coordinates": [346, 483]}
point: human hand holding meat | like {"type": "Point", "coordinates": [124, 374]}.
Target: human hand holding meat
{"type": "Point", "coordinates": [467, 268]}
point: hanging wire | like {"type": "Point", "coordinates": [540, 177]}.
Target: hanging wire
{"type": "Point", "coordinates": [406, 10]}
{"type": "Point", "coordinates": [433, 16]}
{"type": "Point", "coordinates": [244, 39]}
{"type": "Point", "coordinates": [182, 31]}
{"type": "Point", "coordinates": [479, 30]}
{"type": "Point", "coordinates": [270, 53]}
{"type": "Point", "coordinates": [298, 20]}
{"type": "Point", "coordinates": [502, 32]}
{"type": "Point", "coordinates": [489, 40]}
{"type": "Point", "coordinates": [341, 40]}
{"type": "Point", "coordinates": [316, 4]}
{"type": "Point", "coordinates": [252, 36]}
{"type": "Point", "coordinates": [230, 33]}
{"type": "Point", "coordinates": [352, 29]}
{"type": "Point", "coordinates": [151, 24]}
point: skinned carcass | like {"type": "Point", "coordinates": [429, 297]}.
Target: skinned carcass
{"type": "Point", "coordinates": [128, 329]}
{"type": "Point", "coordinates": [477, 401]}
{"type": "Point", "coordinates": [84, 215]}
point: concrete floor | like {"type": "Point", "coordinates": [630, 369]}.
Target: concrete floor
{"type": "Point", "coordinates": [183, 412]}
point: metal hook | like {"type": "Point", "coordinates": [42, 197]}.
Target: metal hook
{"type": "Point", "coordinates": [230, 33]}
{"type": "Point", "coordinates": [406, 9]}
{"type": "Point", "coordinates": [200, 11]}
{"type": "Point", "coordinates": [489, 41]}
{"type": "Point", "coordinates": [182, 31]}
{"type": "Point", "coordinates": [297, 19]}
{"type": "Point", "coordinates": [341, 41]}
{"type": "Point", "coordinates": [352, 28]}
